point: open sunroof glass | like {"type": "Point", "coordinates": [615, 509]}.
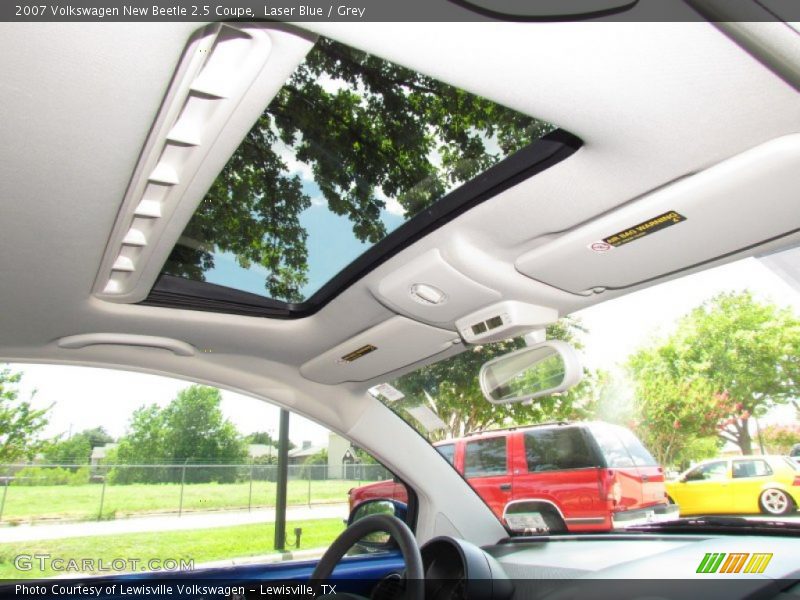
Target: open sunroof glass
{"type": "Point", "coordinates": [350, 149]}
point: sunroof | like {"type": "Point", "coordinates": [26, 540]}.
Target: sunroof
{"type": "Point", "coordinates": [351, 148]}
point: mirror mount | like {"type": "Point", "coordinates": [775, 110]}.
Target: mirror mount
{"type": "Point", "coordinates": [538, 370]}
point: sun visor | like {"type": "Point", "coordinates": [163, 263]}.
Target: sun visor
{"type": "Point", "coordinates": [391, 345]}
{"type": "Point", "coordinates": [735, 205]}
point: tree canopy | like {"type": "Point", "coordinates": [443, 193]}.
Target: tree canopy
{"type": "Point", "coordinates": [779, 439]}
{"type": "Point", "coordinates": [367, 130]}
{"type": "Point", "coordinates": [261, 437]}
{"type": "Point", "coordinates": [76, 449]}
{"type": "Point", "coordinates": [729, 360]}
{"type": "Point", "coordinates": [191, 429]}
{"type": "Point", "coordinates": [20, 423]}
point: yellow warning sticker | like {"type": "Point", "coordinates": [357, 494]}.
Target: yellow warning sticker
{"type": "Point", "coordinates": [356, 354]}
{"type": "Point", "coordinates": [668, 219]}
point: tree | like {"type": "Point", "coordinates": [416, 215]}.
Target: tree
{"type": "Point", "coordinates": [315, 466]}
{"type": "Point", "coordinates": [190, 430]}
{"type": "Point", "coordinates": [728, 360]}
{"type": "Point", "coordinates": [20, 423]}
{"type": "Point", "coordinates": [779, 439]}
{"type": "Point", "coordinates": [195, 428]}
{"type": "Point", "coordinates": [97, 436]}
{"type": "Point", "coordinates": [143, 444]}
{"type": "Point", "coordinates": [72, 451]}
{"type": "Point", "coordinates": [77, 449]}
{"type": "Point", "coordinates": [450, 388]}
{"type": "Point", "coordinates": [366, 129]}
{"type": "Point", "coordinates": [261, 437]}
{"type": "Point", "coordinates": [676, 417]}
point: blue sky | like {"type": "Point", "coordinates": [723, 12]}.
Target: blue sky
{"type": "Point", "coordinates": [331, 247]}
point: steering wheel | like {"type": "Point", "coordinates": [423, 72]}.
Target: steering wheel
{"type": "Point", "coordinates": [415, 575]}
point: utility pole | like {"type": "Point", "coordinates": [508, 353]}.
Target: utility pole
{"type": "Point", "coordinates": [283, 477]}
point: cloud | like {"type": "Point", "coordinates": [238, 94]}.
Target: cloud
{"type": "Point", "coordinates": [293, 165]}
{"type": "Point", "coordinates": [392, 206]}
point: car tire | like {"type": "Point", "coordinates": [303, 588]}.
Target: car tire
{"type": "Point", "coordinates": [775, 502]}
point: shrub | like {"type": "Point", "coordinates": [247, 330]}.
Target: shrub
{"type": "Point", "coordinates": [51, 476]}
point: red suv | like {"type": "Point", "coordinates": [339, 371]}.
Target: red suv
{"type": "Point", "coordinates": [580, 476]}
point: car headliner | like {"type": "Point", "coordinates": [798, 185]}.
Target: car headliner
{"type": "Point", "coordinates": [652, 102]}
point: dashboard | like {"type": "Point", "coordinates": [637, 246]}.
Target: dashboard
{"type": "Point", "coordinates": [614, 566]}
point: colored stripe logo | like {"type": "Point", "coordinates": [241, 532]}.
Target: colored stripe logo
{"type": "Point", "coordinates": [734, 562]}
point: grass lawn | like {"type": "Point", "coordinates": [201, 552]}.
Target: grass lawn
{"type": "Point", "coordinates": [26, 503]}
{"type": "Point", "coordinates": [202, 545]}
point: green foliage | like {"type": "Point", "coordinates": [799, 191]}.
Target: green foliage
{"type": "Point", "coordinates": [364, 457]}
{"type": "Point", "coordinates": [97, 436]}
{"type": "Point", "coordinates": [315, 466]}
{"type": "Point", "coordinates": [35, 476]}
{"type": "Point", "coordinates": [366, 129]}
{"type": "Point", "coordinates": [779, 439]}
{"type": "Point", "coordinates": [676, 419]}
{"type": "Point", "coordinates": [318, 458]}
{"type": "Point", "coordinates": [261, 437]}
{"type": "Point", "coordinates": [728, 360]}
{"type": "Point", "coordinates": [451, 389]}
{"type": "Point", "coordinates": [20, 423]}
{"type": "Point", "coordinates": [191, 429]}
{"type": "Point", "coordinates": [76, 450]}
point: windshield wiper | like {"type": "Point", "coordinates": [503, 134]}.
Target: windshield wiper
{"type": "Point", "coordinates": [713, 524]}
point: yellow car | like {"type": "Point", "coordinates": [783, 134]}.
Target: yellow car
{"type": "Point", "coordinates": [744, 484]}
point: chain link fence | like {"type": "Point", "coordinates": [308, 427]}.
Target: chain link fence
{"type": "Point", "coordinates": [50, 492]}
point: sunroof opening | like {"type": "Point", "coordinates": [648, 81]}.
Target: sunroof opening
{"type": "Point", "coordinates": [351, 148]}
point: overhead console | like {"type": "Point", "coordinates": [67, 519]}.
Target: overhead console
{"type": "Point", "coordinates": [425, 290]}
{"type": "Point", "coordinates": [430, 289]}
{"type": "Point", "coordinates": [399, 342]}
{"type": "Point", "coordinates": [741, 203]}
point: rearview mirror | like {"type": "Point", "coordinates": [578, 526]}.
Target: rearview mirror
{"type": "Point", "coordinates": [538, 370]}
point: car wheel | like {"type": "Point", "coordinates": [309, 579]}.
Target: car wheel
{"type": "Point", "coordinates": [776, 502]}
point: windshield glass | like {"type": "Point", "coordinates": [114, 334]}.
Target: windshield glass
{"type": "Point", "coordinates": [678, 379]}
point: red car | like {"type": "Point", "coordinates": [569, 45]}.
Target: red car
{"type": "Point", "coordinates": [578, 476]}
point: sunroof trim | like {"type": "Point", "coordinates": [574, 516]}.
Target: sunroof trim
{"type": "Point", "coordinates": [176, 292]}
{"type": "Point", "coordinates": [220, 84]}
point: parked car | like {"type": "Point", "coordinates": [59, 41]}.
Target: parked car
{"type": "Point", "coordinates": [744, 484]}
{"type": "Point", "coordinates": [589, 476]}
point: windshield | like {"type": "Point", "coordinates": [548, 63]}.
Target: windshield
{"type": "Point", "coordinates": [678, 380]}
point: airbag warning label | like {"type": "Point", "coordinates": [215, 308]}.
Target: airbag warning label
{"type": "Point", "coordinates": [646, 228]}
